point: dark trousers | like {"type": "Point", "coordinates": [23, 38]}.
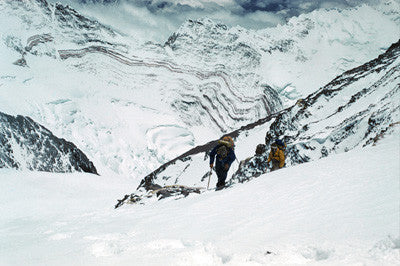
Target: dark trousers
{"type": "Point", "coordinates": [275, 165]}
{"type": "Point", "coordinates": [221, 174]}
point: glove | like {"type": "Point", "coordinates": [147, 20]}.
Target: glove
{"type": "Point", "coordinates": [226, 167]}
{"type": "Point", "coordinates": [211, 165]}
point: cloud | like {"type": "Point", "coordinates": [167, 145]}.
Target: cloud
{"type": "Point", "coordinates": [156, 20]}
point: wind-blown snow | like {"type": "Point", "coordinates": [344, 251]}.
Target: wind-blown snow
{"type": "Point", "coordinates": [341, 210]}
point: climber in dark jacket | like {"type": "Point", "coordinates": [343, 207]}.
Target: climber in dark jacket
{"type": "Point", "coordinates": [225, 157]}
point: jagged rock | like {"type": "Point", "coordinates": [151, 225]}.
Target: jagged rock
{"type": "Point", "coordinates": [24, 144]}
{"type": "Point", "coordinates": [21, 62]}
{"type": "Point", "coordinates": [378, 115]}
{"type": "Point", "coordinates": [207, 38]}
{"type": "Point", "coordinates": [70, 18]}
{"type": "Point", "coordinates": [175, 191]}
{"type": "Point", "coordinates": [356, 109]}
{"type": "Point", "coordinates": [250, 168]}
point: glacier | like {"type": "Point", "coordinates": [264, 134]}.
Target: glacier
{"type": "Point", "coordinates": [206, 80]}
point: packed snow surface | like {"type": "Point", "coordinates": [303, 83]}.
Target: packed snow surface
{"type": "Point", "coordinates": [341, 210]}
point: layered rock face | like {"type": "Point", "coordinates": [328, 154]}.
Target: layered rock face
{"type": "Point", "coordinates": [96, 65]}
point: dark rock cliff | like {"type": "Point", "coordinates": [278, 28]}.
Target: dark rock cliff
{"type": "Point", "coordinates": [25, 144]}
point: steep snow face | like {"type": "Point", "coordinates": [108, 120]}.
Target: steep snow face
{"type": "Point", "coordinates": [356, 109]}
{"type": "Point", "coordinates": [61, 23]}
{"type": "Point", "coordinates": [296, 58]}
{"type": "Point", "coordinates": [26, 145]}
{"type": "Point", "coordinates": [340, 210]}
{"type": "Point", "coordinates": [312, 49]}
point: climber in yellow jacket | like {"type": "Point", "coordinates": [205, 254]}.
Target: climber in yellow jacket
{"type": "Point", "coordinates": [277, 157]}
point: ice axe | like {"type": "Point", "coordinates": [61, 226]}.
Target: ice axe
{"type": "Point", "coordinates": [209, 177]}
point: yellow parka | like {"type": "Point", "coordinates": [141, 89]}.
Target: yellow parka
{"type": "Point", "coordinates": [278, 155]}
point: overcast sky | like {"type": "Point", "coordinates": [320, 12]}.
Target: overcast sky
{"type": "Point", "coordinates": [156, 19]}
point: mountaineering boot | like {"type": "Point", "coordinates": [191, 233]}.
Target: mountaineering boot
{"type": "Point", "coordinates": [219, 188]}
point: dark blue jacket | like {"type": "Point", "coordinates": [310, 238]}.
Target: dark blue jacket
{"type": "Point", "coordinates": [227, 160]}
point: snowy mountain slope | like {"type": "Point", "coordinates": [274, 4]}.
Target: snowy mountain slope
{"type": "Point", "coordinates": [356, 109]}
{"type": "Point", "coordinates": [90, 84]}
{"type": "Point", "coordinates": [103, 81]}
{"type": "Point", "coordinates": [24, 144]}
{"type": "Point", "coordinates": [340, 210]}
{"type": "Point", "coordinates": [112, 98]}
{"type": "Point", "coordinates": [216, 100]}
{"type": "Point", "coordinates": [345, 39]}
{"type": "Point", "coordinates": [297, 58]}
{"type": "Point", "coordinates": [60, 23]}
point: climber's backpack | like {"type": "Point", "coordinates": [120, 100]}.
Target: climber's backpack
{"type": "Point", "coordinates": [281, 144]}
{"type": "Point", "coordinates": [222, 151]}
{"type": "Point", "coordinates": [260, 149]}
{"type": "Point", "coordinates": [228, 143]}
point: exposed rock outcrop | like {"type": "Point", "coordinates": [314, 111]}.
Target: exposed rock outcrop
{"type": "Point", "coordinates": [356, 109]}
{"type": "Point", "coordinates": [24, 144]}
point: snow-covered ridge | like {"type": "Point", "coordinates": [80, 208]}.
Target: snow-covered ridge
{"type": "Point", "coordinates": [356, 109]}
{"type": "Point", "coordinates": [26, 145]}
{"type": "Point", "coordinates": [208, 81]}
{"type": "Point", "coordinates": [298, 57]}
{"type": "Point", "coordinates": [61, 22]}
